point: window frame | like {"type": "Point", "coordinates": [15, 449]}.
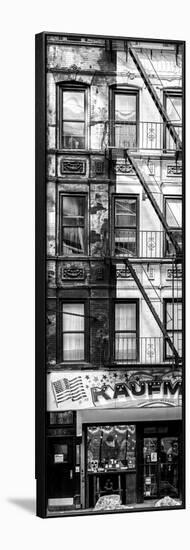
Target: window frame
{"type": "Point", "coordinates": [125, 196]}
{"type": "Point", "coordinates": [72, 87]}
{"type": "Point", "coordinates": [166, 94]}
{"type": "Point", "coordinates": [171, 332]}
{"type": "Point", "coordinates": [74, 301]}
{"type": "Point", "coordinates": [61, 225]}
{"type": "Point", "coordinates": [123, 91]}
{"type": "Point", "coordinates": [174, 198]}
{"type": "Point", "coordinates": [137, 331]}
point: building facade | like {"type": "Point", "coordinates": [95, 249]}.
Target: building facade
{"type": "Point", "coordinates": [114, 273]}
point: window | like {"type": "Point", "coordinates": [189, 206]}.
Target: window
{"type": "Point", "coordinates": [173, 213]}
{"type": "Point", "coordinates": [173, 325]}
{"type": "Point", "coordinates": [72, 118]}
{"type": "Point", "coordinates": [125, 114]}
{"type": "Point", "coordinates": [173, 106]}
{"type": "Point", "coordinates": [126, 336]}
{"type": "Point", "coordinates": [61, 418]}
{"type": "Point", "coordinates": [107, 445]}
{"type": "Point", "coordinates": [73, 331]}
{"type": "Point", "coordinates": [125, 231]}
{"type": "Point", "coordinates": [73, 224]}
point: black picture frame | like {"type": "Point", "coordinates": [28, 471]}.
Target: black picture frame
{"type": "Point", "coordinates": [40, 270]}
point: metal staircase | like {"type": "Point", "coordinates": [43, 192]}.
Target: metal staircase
{"type": "Point", "coordinates": [130, 267]}
{"type": "Point", "coordinates": [154, 96]}
{"type": "Point", "coordinates": [131, 156]}
{"type": "Point", "coordinates": [150, 195]}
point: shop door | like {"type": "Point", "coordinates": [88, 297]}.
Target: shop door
{"type": "Point", "coordinates": [161, 467]}
{"type": "Point", "coordinates": [60, 472]}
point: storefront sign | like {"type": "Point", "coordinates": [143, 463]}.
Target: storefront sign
{"type": "Point", "coordinates": [90, 389]}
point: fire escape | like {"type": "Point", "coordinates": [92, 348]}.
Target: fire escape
{"type": "Point", "coordinates": [134, 156]}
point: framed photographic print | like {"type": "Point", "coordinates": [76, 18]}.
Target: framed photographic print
{"type": "Point", "coordinates": [110, 287]}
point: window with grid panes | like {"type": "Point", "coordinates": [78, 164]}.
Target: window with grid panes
{"type": "Point", "coordinates": [173, 212]}
{"type": "Point", "coordinates": [173, 325]}
{"type": "Point", "coordinates": [73, 128]}
{"type": "Point", "coordinates": [173, 106]}
{"type": "Point", "coordinates": [73, 332]}
{"type": "Point", "coordinates": [125, 231]}
{"type": "Point", "coordinates": [125, 119]}
{"type": "Point", "coordinates": [73, 224]}
{"type": "Point", "coordinates": [126, 335]}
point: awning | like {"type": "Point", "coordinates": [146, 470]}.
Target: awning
{"type": "Point", "coordinates": [163, 414]}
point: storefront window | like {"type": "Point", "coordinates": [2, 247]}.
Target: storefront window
{"type": "Point", "coordinates": [65, 418]}
{"type": "Point", "coordinates": [111, 447]}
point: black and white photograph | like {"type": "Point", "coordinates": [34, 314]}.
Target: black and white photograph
{"type": "Point", "coordinates": [95, 225]}
{"type": "Point", "coordinates": [114, 203]}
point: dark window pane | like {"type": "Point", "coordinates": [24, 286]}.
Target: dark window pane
{"type": "Point", "coordinates": [73, 240]}
{"type": "Point", "coordinates": [125, 212]}
{"type": "Point", "coordinates": [125, 242]}
{"type": "Point", "coordinates": [65, 417]}
{"type": "Point", "coordinates": [77, 221]}
{"type": "Point", "coordinates": [176, 338]}
{"type": "Point", "coordinates": [73, 135]}
{"type": "Point", "coordinates": [73, 207]}
{"type": "Point", "coordinates": [73, 105]}
{"type": "Point", "coordinates": [169, 246]}
{"type": "Point", "coordinates": [125, 107]}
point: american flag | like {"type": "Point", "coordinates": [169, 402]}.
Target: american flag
{"type": "Point", "coordinates": [65, 389]}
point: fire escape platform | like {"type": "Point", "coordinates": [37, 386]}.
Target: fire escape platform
{"type": "Point", "coordinates": [145, 260]}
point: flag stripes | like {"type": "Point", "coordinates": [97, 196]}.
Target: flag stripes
{"type": "Point", "coordinates": [65, 389]}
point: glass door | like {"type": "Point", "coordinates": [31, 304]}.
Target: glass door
{"type": "Point", "coordinates": [150, 452]}
{"type": "Point", "coordinates": [161, 467]}
{"type": "Point", "coordinates": [169, 467]}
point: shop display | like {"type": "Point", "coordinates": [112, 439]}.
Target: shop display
{"type": "Point", "coordinates": [111, 448]}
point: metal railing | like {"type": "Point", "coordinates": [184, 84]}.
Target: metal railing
{"type": "Point", "coordinates": [143, 135]}
{"type": "Point", "coordinates": [146, 135]}
{"type": "Point", "coordinates": [146, 350]}
{"type": "Point", "coordinates": [144, 244]}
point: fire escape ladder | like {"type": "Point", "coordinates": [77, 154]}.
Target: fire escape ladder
{"type": "Point", "coordinates": [151, 307]}
{"type": "Point", "coordinates": [155, 97]}
{"type": "Point", "coordinates": [154, 203]}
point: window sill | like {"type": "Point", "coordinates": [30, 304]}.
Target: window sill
{"type": "Point", "coordinates": [70, 365]}
{"type": "Point", "coordinates": [86, 151]}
